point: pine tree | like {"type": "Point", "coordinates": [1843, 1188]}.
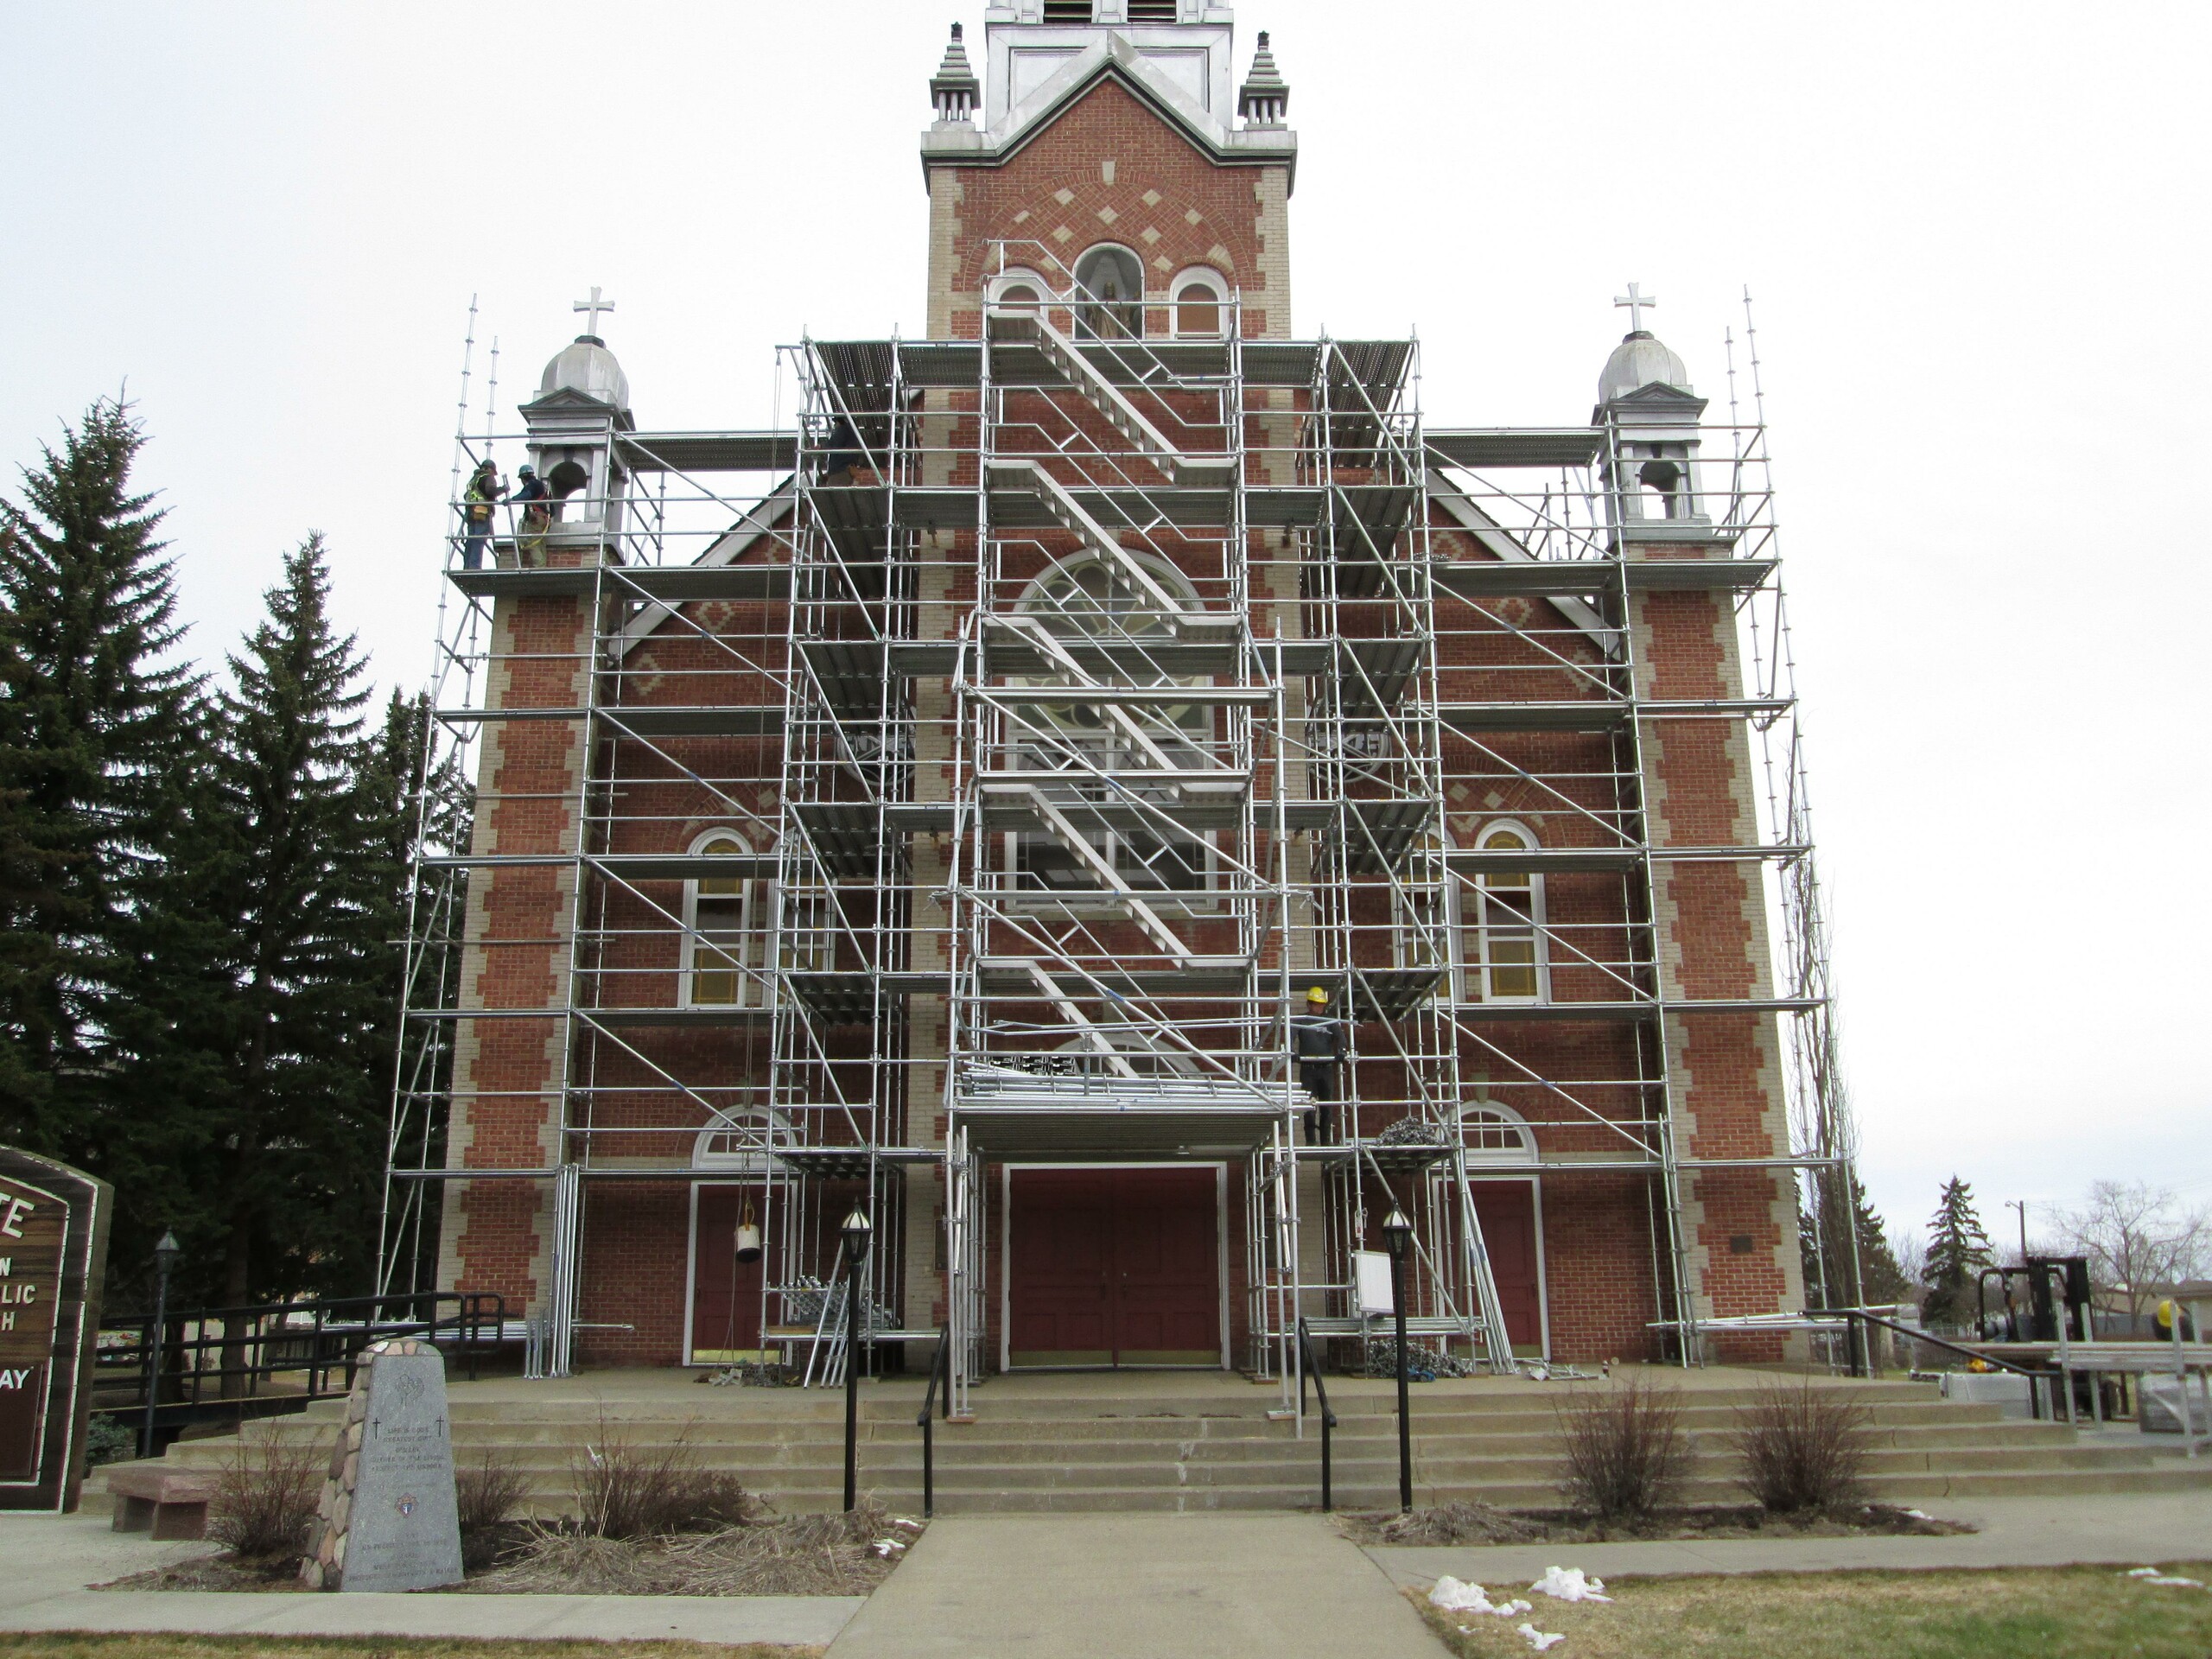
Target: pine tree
{"type": "Point", "coordinates": [1958, 1249]}
{"type": "Point", "coordinates": [275, 991]}
{"type": "Point", "coordinates": [95, 727]}
{"type": "Point", "coordinates": [1825, 1251]}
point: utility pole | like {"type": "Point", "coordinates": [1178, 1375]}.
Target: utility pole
{"type": "Point", "coordinates": [2021, 1204]}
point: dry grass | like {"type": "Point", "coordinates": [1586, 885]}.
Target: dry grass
{"type": "Point", "coordinates": [1803, 1448]}
{"type": "Point", "coordinates": [2093, 1612]}
{"type": "Point", "coordinates": [265, 1497]}
{"type": "Point", "coordinates": [1448, 1523]}
{"type": "Point", "coordinates": [1624, 1452]}
{"type": "Point", "coordinates": [1482, 1523]}
{"type": "Point", "coordinates": [625, 1489]}
{"type": "Point", "coordinates": [800, 1555]}
{"type": "Point", "coordinates": [78, 1644]}
{"type": "Point", "coordinates": [489, 1490]}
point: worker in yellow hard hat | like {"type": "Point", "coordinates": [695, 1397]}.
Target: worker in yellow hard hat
{"type": "Point", "coordinates": [2169, 1311]}
{"type": "Point", "coordinates": [1318, 1036]}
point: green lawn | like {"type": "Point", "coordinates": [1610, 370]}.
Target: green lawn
{"type": "Point", "coordinates": [70, 1644]}
{"type": "Point", "coordinates": [2079, 1612]}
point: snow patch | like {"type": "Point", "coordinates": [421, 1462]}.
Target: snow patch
{"type": "Point", "coordinates": [1570, 1584]}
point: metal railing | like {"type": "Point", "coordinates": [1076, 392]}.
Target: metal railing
{"type": "Point", "coordinates": [1309, 1366]}
{"type": "Point", "coordinates": [923, 1420]}
{"type": "Point", "coordinates": [313, 1347]}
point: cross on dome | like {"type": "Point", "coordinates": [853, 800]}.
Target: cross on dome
{"type": "Point", "coordinates": [1635, 300]}
{"type": "Point", "coordinates": [594, 305]}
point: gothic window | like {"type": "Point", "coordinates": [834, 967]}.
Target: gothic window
{"type": "Point", "coordinates": [725, 932]}
{"type": "Point", "coordinates": [1111, 279]}
{"type": "Point", "coordinates": [1507, 960]}
{"type": "Point", "coordinates": [1200, 303]}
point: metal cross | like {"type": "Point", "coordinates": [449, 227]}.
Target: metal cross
{"type": "Point", "coordinates": [1635, 301]}
{"type": "Point", "coordinates": [594, 305]}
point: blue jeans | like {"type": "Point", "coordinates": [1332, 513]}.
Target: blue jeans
{"type": "Point", "coordinates": [471, 552]}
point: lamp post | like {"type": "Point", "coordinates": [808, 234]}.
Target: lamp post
{"type": "Point", "coordinates": [1397, 1235]}
{"type": "Point", "coordinates": [165, 1258]}
{"type": "Point", "coordinates": [856, 1232]}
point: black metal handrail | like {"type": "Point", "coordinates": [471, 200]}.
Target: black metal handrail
{"type": "Point", "coordinates": [1918, 1335]}
{"type": "Point", "coordinates": [320, 1342]}
{"type": "Point", "coordinates": [1309, 1366]}
{"type": "Point", "coordinates": [938, 1368]}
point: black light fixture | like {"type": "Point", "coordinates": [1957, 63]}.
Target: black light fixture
{"type": "Point", "coordinates": [856, 1233]}
{"type": "Point", "coordinates": [1397, 1238]}
{"type": "Point", "coordinates": [166, 1256]}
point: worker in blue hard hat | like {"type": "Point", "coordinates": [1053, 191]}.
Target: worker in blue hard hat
{"type": "Point", "coordinates": [536, 516]}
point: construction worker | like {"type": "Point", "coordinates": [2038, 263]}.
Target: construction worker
{"type": "Point", "coordinates": [1317, 1038]}
{"type": "Point", "coordinates": [536, 516]}
{"type": "Point", "coordinates": [477, 497]}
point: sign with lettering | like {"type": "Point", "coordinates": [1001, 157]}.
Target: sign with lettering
{"type": "Point", "coordinates": [52, 1256]}
{"type": "Point", "coordinates": [389, 1518]}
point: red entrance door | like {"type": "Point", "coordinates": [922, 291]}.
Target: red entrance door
{"type": "Point", "coordinates": [725, 1296]}
{"type": "Point", "coordinates": [1507, 1210]}
{"type": "Point", "coordinates": [1113, 1267]}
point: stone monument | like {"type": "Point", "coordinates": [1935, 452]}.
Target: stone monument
{"type": "Point", "coordinates": [53, 1258]}
{"type": "Point", "coordinates": [388, 1519]}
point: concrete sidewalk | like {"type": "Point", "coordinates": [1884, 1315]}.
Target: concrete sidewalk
{"type": "Point", "coordinates": [1161, 1586]}
{"type": "Point", "coordinates": [2129, 1530]}
{"type": "Point", "coordinates": [52, 1558]}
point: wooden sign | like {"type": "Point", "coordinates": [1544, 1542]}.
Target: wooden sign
{"type": "Point", "coordinates": [53, 1258]}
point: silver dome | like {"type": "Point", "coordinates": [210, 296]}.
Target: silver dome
{"type": "Point", "coordinates": [588, 366]}
{"type": "Point", "coordinates": [1638, 361]}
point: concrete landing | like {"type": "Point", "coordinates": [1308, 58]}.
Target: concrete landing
{"type": "Point", "coordinates": [1207, 1586]}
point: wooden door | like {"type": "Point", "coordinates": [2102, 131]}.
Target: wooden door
{"type": "Point", "coordinates": [725, 1326]}
{"type": "Point", "coordinates": [1113, 1267]}
{"type": "Point", "coordinates": [1507, 1210]}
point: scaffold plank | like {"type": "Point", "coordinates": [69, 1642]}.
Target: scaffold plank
{"type": "Point", "coordinates": [1696, 575]}
{"type": "Point", "coordinates": [707, 452]}
{"type": "Point", "coordinates": [1512, 446]}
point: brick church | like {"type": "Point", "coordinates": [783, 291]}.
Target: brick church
{"type": "Point", "coordinates": [1117, 797]}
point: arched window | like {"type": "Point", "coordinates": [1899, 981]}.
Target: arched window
{"type": "Point", "coordinates": [1507, 960]}
{"type": "Point", "coordinates": [1088, 599]}
{"type": "Point", "coordinates": [1495, 1134]}
{"type": "Point", "coordinates": [1019, 287]}
{"type": "Point", "coordinates": [1111, 281]}
{"type": "Point", "coordinates": [1201, 302]}
{"type": "Point", "coordinates": [725, 931]}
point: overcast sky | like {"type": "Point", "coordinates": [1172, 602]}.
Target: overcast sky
{"type": "Point", "coordinates": [1975, 236]}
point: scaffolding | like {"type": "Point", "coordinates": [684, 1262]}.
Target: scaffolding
{"type": "Point", "coordinates": [978, 771]}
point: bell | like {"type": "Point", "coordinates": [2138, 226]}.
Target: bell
{"type": "Point", "coordinates": [748, 1239]}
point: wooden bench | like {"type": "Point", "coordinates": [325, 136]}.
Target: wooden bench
{"type": "Point", "coordinates": [170, 1503]}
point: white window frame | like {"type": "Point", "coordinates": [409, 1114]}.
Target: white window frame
{"type": "Point", "coordinates": [1021, 277]}
{"type": "Point", "coordinates": [1475, 929]}
{"type": "Point", "coordinates": [1205, 276]}
{"type": "Point", "coordinates": [755, 907]}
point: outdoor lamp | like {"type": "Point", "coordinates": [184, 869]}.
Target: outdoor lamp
{"type": "Point", "coordinates": [1397, 1235]}
{"type": "Point", "coordinates": [856, 1232]}
{"type": "Point", "coordinates": [165, 1259]}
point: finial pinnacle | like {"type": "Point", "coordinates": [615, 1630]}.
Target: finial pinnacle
{"type": "Point", "coordinates": [1265, 97]}
{"type": "Point", "coordinates": [954, 89]}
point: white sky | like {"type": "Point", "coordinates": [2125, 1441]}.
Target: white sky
{"type": "Point", "coordinates": [1976, 236]}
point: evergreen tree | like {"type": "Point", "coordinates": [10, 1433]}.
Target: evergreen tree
{"type": "Point", "coordinates": [1958, 1249]}
{"type": "Point", "coordinates": [96, 726]}
{"type": "Point", "coordinates": [1825, 1251]}
{"type": "Point", "coordinates": [268, 1016]}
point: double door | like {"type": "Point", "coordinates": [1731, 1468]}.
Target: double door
{"type": "Point", "coordinates": [1114, 1267]}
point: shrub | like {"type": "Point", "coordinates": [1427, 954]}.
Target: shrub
{"type": "Point", "coordinates": [108, 1438]}
{"type": "Point", "coordinates": [265, 1497]}
{"type": "Point", "coordinates": [488, 1490]}
{"type": "Point", "coordinates": [1624, 1450]}
{"type": "Point", "coordinates": [626, 1491]}
{"type": "Point", "coordinates": [1803, 1448]}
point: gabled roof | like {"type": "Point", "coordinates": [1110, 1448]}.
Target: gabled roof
{"type": "Point", "coordinates": [1108, 58]}
{"type": "Point", "coordinates": [758, 524]}
{"type": "Point", "coordinates": [1494, 538]}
